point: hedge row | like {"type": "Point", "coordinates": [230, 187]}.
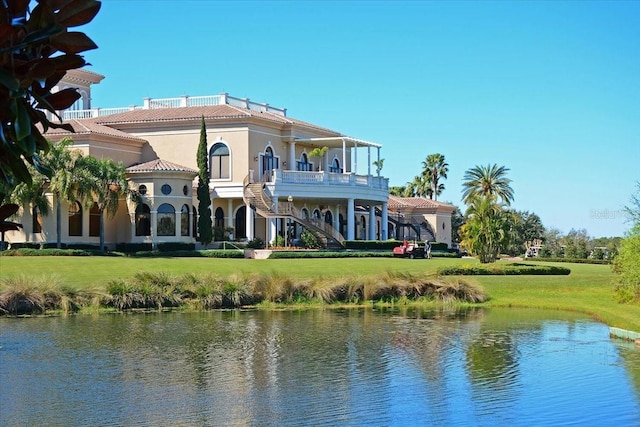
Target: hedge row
{"type": "Point", "coordinates": [382, 245]}
{"type": "Point", "coordinates": [49, 252]}
{"type": "Point", "coordinates": [209, 253]}
{"type": "Point", "coordinates": [575, 260]}
{"type": "Point", "coordinates": [514, 269]}
{"type": "Point", "coordinates": [329, 254]}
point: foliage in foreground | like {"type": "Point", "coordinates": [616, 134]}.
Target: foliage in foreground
{"type": "Point", "coordinates": [160, 290]}
{"type": "Point", "coordinates": [627, 266]}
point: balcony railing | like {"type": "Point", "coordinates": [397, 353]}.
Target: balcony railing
{"type": "Point", "coordinates": [302, 177]}
{"type": "Point", "coordinates": [182, 101]}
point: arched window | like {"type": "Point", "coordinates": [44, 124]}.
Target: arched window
{"type": "Point", "coordinates": [143, 220]}
{"type": "Point", "coordinates": [363, 229]}
{"type": "Point", "coordinates": [184, 220]}
{"type": "Point", "coordinates": [269, 161]}
{"type": "Point", "coordinates": [303, 163]}
{"type": "Point", "coordinates": [335, 166]}
{"type": "Point", "coordinates": [317, 214]}
{"type": "Point", "coordinates": [341, 224]}
{"type": "Point", "coordinates": [218, 218]}
{"type": "Point", "coordinates": [241, 222]}
{"type": "Point", "coordinates": [305, 213]}
{"type": "Point", "coordinates": [75, 219]}
{"type": "Point", "coordinates": [94, 220]}
{"type": "Point", "coordinates": [328, 218]}
{"type": "Point", "coordinates": [36, 218]}
{"type": "Point", "coordinates": [194, 221]}
{"type": "Point", "coordinates": [219, 161]}
{"type": "Point", "coordinates": [166, 220]}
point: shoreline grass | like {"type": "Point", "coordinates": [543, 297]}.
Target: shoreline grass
{"type": "Point", "coordinates": [588, 289]}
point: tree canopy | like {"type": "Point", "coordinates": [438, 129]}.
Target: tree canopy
{"type": "Point", "coordinates": [488, 181]}
{"type": "Point", "coordinates": [36, 51]}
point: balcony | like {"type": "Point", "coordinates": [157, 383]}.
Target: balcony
{"type": "Point", "coordinates": [326, 184]}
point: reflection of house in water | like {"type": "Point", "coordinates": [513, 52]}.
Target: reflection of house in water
{"type": "Point", "coordinates": [269, 175]}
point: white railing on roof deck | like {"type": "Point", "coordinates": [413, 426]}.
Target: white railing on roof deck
{"type": "Point", "coordinates": [350, 179]}
{"type": "Point", "coordinates": [182, 101]}
{"type": "Point", "coordinates": [95, 112]}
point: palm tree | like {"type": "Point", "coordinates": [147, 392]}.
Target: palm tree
{"type": "Point", "coordinates": [487, 229]}
{"type": "Point", "coordinates": [419, 187]}
{"type": "Point", "coordinates": [103, 182]}
{"type": "Point", "coordinates": [487, 181]}
{"type": "Point", "coordinates": [62, 162]}
{"type": "Point", "coordinates": [435, 168]}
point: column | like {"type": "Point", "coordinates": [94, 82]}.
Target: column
{"type": "Point", "coordinates": [154, 231]}
{"type": "Point", "coordinates": [350, 220]}
{"type": "Point", "coordinates": [292, 155]}
{"type": "Point", "coordinates": [272, 231]}
{"type": "Point", "coordinates": [336, 218]}
{"type": "Point", "coordinates": [372, 222]}
{"type": "Point", "coordinates": [249, 222]}
{"type": "Point", "coordinates": [229, 213]}
{"type": "Point", "coordinates": [385, 222]}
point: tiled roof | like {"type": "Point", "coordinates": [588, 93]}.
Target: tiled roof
{"type": "Point", "coordinates": [396, 203]}
{"type": "Point", "coordinates": [159, 165]}
{"type": "Point", "coordinates": [87, 127]}
{"type": "Point", "coordinates": [215, 112]}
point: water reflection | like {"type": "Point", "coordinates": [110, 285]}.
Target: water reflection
{"type": "Point", "coordinates": [317, 367]}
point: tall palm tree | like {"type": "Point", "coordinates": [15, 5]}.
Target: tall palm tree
{"type": "Point", "coordinates": [434, 168]}
{"type": "Point", "coordinates": [487, 180]}
{"type": "Point", "coordinates": [103, 182]}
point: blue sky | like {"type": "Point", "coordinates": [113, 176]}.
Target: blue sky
{"type": "Point", "coordinates": [550, 90]}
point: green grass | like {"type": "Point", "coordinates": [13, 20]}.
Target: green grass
{"type": "Point", "coordinates": [588, 289]}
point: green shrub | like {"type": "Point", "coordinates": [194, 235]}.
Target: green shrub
{"type": "Point", "coordinates": [256, 243]}
{"type": "Point", "coordinates": [133, 247]}
{"type": "Point", "coordinates": [514, 269]}
{"type": "Point", "coordinates": [575, 260]}
{"type": "Point", "coordinates": [47, 252]}
{"type": "Point", "coordinates": [371, 245]}
{"type": "Point", "coordinates": [439, 246]}
{"type": "Point", "coordinates": [176, 246]}
{"type": "Point", "coordinates": [309, 240]}
{"type": "Point", "coordinates": [26, 245]}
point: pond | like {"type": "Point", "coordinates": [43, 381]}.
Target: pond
{"type": "Point", "coordinates": [317, 367]}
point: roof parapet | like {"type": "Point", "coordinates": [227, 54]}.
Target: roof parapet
{"type": "Point", "coordinates": [179, 102]}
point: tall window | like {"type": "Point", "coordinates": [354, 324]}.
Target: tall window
{"type": "Point", "coordinates": [184, 220]}
{"type": "Point", "coordinates": [219, 161]}
{"type": "Point", "coordinates": [316, 214]}
{"type": "Point", "coordinates": [328, 218]}
{"type": "Point", "coordinates": [75, 219]}
{"type": "Point", "coordinates": [218, 218]}
{"type": "Point", "coordinates": [166, 220]}
{"type": "Point", "coordinates": [194, 221]}
{"type": "Point", "coordinates": [36, 218]}
{"type": "Point", "coordinates": [143, 220]}
{"type": "Point", "coordinates": [303, 163]}
{"type": "Point", "coordinates": [94, 220]}
{"type": "Point", "coordinates": [241, 222]}
{"type": "Point", "coordinates": [269, 161]}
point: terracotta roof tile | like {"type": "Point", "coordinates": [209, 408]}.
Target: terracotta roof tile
{"type": "Point", "coordinates": [215, 112]}
{"type": "Point", "coordinates": [396, 203]}
{"type": "Point", "coordinates": [89, 126]}
{"type": "Point", "coordinates": [159, 165]}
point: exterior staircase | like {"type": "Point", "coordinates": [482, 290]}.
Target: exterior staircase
{"type": "Point", "coordinates": [255, 196]}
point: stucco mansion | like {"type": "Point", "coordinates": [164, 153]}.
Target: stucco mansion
{"type": "Point", "coordinates": [266, 180]}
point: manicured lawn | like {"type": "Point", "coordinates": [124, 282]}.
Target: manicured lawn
{"type": "Point", "coordinates": [587, 289]}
